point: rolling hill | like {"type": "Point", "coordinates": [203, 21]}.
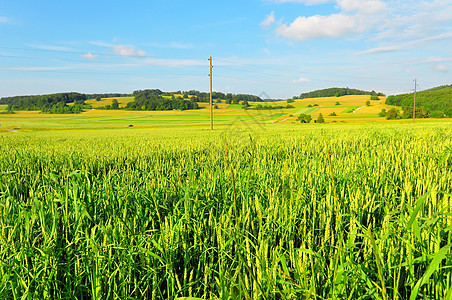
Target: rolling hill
{"type": "Point", "coordinates": [437, 100]}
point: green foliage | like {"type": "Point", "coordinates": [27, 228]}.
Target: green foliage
{"type": "Point", "coordinates": [421, 112]}
{"type": "Point", "coordinates": [115, 104]}
{"type": "Point", "coordinates": [437, 114]}
{"type": "Point", "coordinates": [436, 99]}
{"type": "Point", "coordinates": [337, 103]}
{"type": "Point", "coordinates": [47, 103]}
{"type": "Point", "coordinates": [393, 114]}
{"type": "Point", "coordinates": [336, 92]}
{"type": "Point", "coordinates": [156, 213]}
{"type": "Point", "coordinates": [153, 100]}
{"type": "Point", "coordinates": [320, 119]}
{"type": "Point", "coordinates": [333, 114]}
{"type": "Point", "coordinates": [98, 98]}
{"type": "Point", "coordinates": [290, 100]}
{"type": "Point", "coordinates": [382, 113]}
{"type": "Point", "coordinates": [304, 118]}
{"type": "Point", "coordinates": [62, 108]}
{"type": "Point", "coordinates": [230, 98]}
{"type": "Point", "coordinates": [374, 97]}
{"type": "Point", "coordinates": [367, 103]}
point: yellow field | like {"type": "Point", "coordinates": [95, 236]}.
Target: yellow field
{"type": "Point", "coordinates": [182, 96]}
{"type": "Point", "coordinates": [207, 105]}
{"type": "Point", "coordinates": [107, 101]}
{"type": "Point", "coordinates": [225, 114]}
{"type": "Point", "coordinates": [350, 100]}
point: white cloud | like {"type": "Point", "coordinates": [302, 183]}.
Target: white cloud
{"type": "Point", "coordinates": [355, 17]}
{"type": "Point", "coordinates": [4, 19]}
{"type": "Point", "coordinates": [124, 50]}
{"type": "Point", "coordinates": [269, 20]}
{"type": "Point", "coordinates": [335, 25]}
{"type": "Point", "coordinates": [307, 2]}
{"type": "Point", "coordinates": [301, 80]}
{"type": "Point", "coordinates": [101, 44]}
{"type": "Point", "coordinates": [441, 67]}
{"type": "Point", "coordinates": [380, 49]}
{"type": "Point", "coordinates": [89, 55]}
{"type": "Point", "coordinates": [49, 47]}
{"type": "Point", "coordinates": [362, 6]}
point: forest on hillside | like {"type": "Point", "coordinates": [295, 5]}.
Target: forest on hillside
{"type": "Point", "coordinates": [336, 92]}
{"type": "Point", "coordinates": [198, 96]}
{"type": "Point", "coordinates": [53, 103]}
{"type": "Point", "coordinates": [154, 100]}
{"type": "Point", "coordinates": [437, 101]}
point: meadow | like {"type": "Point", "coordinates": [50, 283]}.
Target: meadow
{"type": "Point", "coordinates": [223, 115]}
{"type": "Point", "coordinates": [248, 211]}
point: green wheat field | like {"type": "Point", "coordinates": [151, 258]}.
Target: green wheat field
{"type": "Point", "coordinates": [243, 212]}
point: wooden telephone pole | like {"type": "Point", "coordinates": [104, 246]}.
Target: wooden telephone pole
{"type": "Point", "coordinates": [211, 108]}
{"type": "Point", "coordinates": [414, 106]}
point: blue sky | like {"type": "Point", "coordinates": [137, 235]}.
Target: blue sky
{"type": "Point", "coordinates": [278, 47]}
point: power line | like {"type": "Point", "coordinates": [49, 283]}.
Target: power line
{"type": "Point", "coordinates": [99, 73]}
{"type": "Point", "coordinates": [94, 53]}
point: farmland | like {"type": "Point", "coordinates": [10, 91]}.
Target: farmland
{"type": "Point", "coordinates": [248, 211]}
{"type": "Point", "coordinates": [225, 114]}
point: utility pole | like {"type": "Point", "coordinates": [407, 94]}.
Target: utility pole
{"type": "Point", "coordinates": [414, 106]}
{"type": "Point", "coordinates": [211, 108]}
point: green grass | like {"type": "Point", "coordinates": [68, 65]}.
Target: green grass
{"type": "Point", "coordinates": [307, 110]}
{"type": "Point", "coordinates": [350, 109]}
{"type": "Point", "coordinates": [244, 212]}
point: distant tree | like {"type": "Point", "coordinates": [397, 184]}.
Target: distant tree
{"type": "Point", "coordinates": [215, 106]}
{"type": "Point", "coordinates": [367, 103]}
{"type": "Point", "coordinates": [382, 113]}
{"type": "Point", "coordinates": [392, 114]}
{"type": "Point", "coordinates": [98, 98]}
{"type": "Point", "coordinates": [374, 97]}
{"type": "Point", "coordinates": [336, 95]}
{"type": "Point", "coordinates": [114, 104]}
{"type": "Point", "coordinates": [228, 101]}
{"type": "Point", "coordinates": [218, 101]}
{"type": "Point", "coordinates": [320, 119]}
{"type": "Point", "coordinates": [315, 105]}
{"type": "Point", "coordinates": [290, 100]}
{"type": "Point", "coordinates": [304, 118]}
{"type": "Point", "coordinates": [337, 103]}
{"type": "Point", "coordinates": [309, 105]}
{"type": "Point", "coordinates": [333, 114]}
{"type": "Point", "coordinates": [235, 101]}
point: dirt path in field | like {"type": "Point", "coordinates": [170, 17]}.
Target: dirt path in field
{"type": "Point", "coordinates": [9, 130]}
{"type": "Point", "coordinates": [357, 109]}
{"type": "Point", "coordinates": [285, 119]}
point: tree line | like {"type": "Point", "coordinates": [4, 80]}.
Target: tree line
{"type": "Point", "coordinates": [336, 92]}
{"type": "Point", "coordinates": [154, 100]}
{"type": "Point", "coordinates": [53, 103]}
{"type": "Point", "coordinates": [435, 102]}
